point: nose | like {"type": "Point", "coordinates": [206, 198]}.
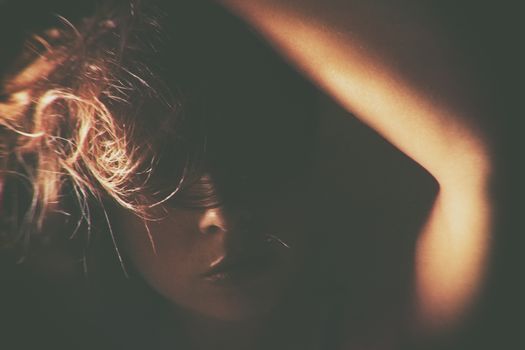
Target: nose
{"type": "Point", "coordinates": [225, 220]}
{"type": "Point", "coordinates": [215, 220]}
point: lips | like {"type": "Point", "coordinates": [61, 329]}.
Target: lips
{"type": "Point", "coordinates": [238, 269]}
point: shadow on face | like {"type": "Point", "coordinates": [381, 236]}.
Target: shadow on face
{"type": "Point", "coordinates": [226, 261]}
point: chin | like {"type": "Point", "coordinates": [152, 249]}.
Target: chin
{"type": "Point", "coordinates": [237, 306]}
{"type": "Point", "coordinates": [240, 310]}
{"type": "Point", "coordinates": [236, 303]}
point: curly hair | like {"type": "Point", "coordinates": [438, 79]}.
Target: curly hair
{"type": "Point", "coordinates": [114, 108]}
{"type": "Point", "coordinates": [68, 123]}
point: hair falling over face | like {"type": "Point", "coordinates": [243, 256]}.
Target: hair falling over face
{"type": "Point", "coordinates": [241, 174]}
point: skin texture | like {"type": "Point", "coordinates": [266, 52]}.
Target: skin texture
{"type": "Point", "coordinates": [185, 243]}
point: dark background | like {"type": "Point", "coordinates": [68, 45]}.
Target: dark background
{"type": "Point", "coordinates": [488, 33]}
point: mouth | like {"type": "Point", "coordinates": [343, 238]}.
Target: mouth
{"type": "Point", "coordinates": [233, 270]}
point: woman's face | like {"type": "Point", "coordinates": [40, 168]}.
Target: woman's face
{"type": "Point", "coordinates": [228, 263]}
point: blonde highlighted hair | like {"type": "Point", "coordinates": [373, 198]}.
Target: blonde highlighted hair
{"type": "Point", "coordinates": [69, 126]}
{"type": "Point", "coordinates": [121, 109]}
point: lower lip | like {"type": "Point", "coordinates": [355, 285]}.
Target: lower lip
{"type": "Point", "coordinates": [241, 275]}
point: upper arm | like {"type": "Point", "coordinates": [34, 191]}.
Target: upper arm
{"type": "Point", "coordinates": [405, 83]}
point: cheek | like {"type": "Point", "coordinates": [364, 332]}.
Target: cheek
{"type": "Point", "coordinates": [170, 257]}
{"type": "Point", "coordinates": [182, 253]}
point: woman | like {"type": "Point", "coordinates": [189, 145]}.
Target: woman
{"type": "Point", "coordinates": [177, 147]}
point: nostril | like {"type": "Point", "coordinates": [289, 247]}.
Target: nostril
{"type": "Point", "coordinates": [211, 229]}
{"type": "Point", "coordinates": [213, 220]}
